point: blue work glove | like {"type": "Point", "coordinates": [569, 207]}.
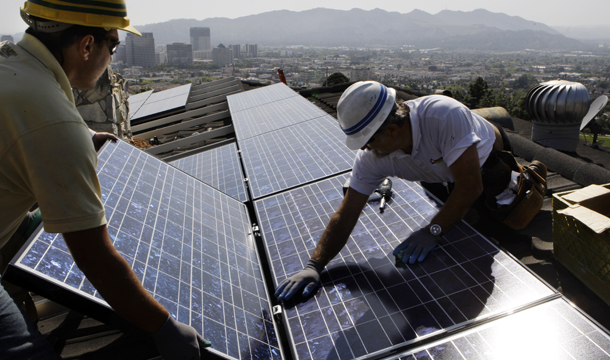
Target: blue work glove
{"type": "Point", "coordinates": [416, 246]}
{"type": "Point", "coordinates": [308, 277]}
{"type": "Point", "coordinates": [178, 341]}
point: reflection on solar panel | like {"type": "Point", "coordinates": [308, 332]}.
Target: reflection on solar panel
{"type": "Point", "coordinates": [295, 155]}
{"type": "Point", "coordinates": [272, 116]}
{"type": "Point", "coordinates": [188, 243]}
{"type": "Point", "coordinates": [162, 101]}
{"type": "Point", "coordinates": [368, 305]}
{"type": "Point", "coordinates": [219, 168]}
{"type": "Point", "coordinates": [554, 330]}
{"type": "Point", "coordinates": [257, 97]}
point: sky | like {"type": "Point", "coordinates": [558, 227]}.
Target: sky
{"type": "Point", "coordinates": [575, 13]}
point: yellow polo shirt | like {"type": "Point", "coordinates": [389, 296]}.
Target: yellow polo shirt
{"type": "Point", "coordinates": [46, 152]}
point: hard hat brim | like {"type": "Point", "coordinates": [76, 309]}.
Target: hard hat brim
{"type": "Point", "coordinates": [132, 30]}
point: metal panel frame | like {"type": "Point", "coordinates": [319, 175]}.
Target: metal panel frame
{"type": "Point", "coordinates": [156, 150]}
{"type": "Point", "coordinates": [185, 125]}
{"type": "Point", "coordinates": [191, 114]}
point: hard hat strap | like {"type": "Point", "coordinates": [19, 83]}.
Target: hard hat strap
{"type": "Point", "coordinates": [47, 26]}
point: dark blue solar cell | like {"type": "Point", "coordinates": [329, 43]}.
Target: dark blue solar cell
{"type": "Point", "coordinates": [178, 234]}
{"type": "Point", "coordinates": [299, 147]}
{"type": "Point", "coordinates": [362, 283]}
{"type": "Point", "coordinates": [260, 96]}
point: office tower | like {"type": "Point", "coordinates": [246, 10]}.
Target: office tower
{"type": "Point", "coordinates": [236, 49]}
{"type": "Point", "coordinates": [200, 38]}
{"type": "Point", "coordinates": [222, 56]}
{"type": "Point", "coordinates": [179, 54]}
{"type": "Point", "coordinates": [140, 51]}
{"type": "Point", "coordinates": [251, 51]}
{"type": "Point", "coordinates": [120, 55]}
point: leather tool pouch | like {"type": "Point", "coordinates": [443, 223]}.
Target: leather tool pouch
{"type": "Point", "coordinates": [530, 194]}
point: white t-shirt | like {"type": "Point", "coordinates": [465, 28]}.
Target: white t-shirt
{"type": "Point", "coordinates": [442, 128]}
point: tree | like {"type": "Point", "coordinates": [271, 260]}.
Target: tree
{"type": "Point", "coordinates": [460, 94]}
{"type": "Point", "coordinates": [525, 82]}
{"type": "Point", "coordinates": [478, 89]}
{"type": "Point", "coordinates": [336, 78]}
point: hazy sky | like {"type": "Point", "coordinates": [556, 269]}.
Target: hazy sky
{"type": "Point", "coordinates": [558, 12]}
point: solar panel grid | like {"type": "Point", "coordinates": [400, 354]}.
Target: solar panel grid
{"type": "Point", "coordinates": [295, 155]}
{"type": "Point", "coordinates": [219, 168]}
{"type": "Point", "coordinates": [273, 116]}
{"type": "Point", "coordinates": [257, 97]}
{"type": "Point", "coordinates": [554, 330]}
{"type": "Point", "coordinates": [366, 304]}
{"type": "Point", "coordinates": [188, 244]}
{"type": "Point", "coordinates": [162, 101]}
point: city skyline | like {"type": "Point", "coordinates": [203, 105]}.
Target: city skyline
{"type": "Point", "coordinates": [560, 13]}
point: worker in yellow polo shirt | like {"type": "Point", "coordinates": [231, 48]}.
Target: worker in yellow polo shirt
{"type": "Point", "coordinates": [47, 157]}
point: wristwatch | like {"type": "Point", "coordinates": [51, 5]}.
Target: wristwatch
{"type": "Point", "coordinates": [436, 230]}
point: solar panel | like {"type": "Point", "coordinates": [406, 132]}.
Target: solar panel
{"type": "Point", "coordinates": [257, 97]}
{"type": "Point", "coordinates": [295, 155]}
{"type": "Point", "coordinates": [136, 101]}
{"type": "Point", "coordinates": [272, 116]}
{"type": "Point", "coordinates": [189, 244]}
{"type": "Point", "coordinates": [366, 304]}
{"type": "Point", "coordinates": [219, 168]}
{"type": "Point", "coordinates": [554, 330]}
{"type": "Point", "coordinates": [163, 101]}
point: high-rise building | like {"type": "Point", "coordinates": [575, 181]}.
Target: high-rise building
{"type": "Point", "coordinates": [200, 38]}
{"type": "Point", "coordinates": [202, 55]}
{"type": "Point", "coordinates": [179, 54]}
{"type": "Point", "coordinates": [251, 50]}
{"type": "Point", "coordinates": [140, 51]}
{"type": "Point", "coordinates": [6, 37]}
{"type": "Point", "coordinates": [236, 49]}
{"type": "Point", "coordinates": [120, 55]}
{"type": "Point", "coordinates": [222, 55]}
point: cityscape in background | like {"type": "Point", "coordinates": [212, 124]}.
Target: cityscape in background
{"type": "Point", "coordinates": [146, 65]}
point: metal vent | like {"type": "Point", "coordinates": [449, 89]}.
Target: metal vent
{"type": "Point", "coordinates": [557, 109]}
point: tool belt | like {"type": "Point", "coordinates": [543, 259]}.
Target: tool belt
{"type": "Point", "coordinates": [531, 189]}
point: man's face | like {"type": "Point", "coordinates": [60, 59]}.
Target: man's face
{"type": "Point", "coordinates": [100, 57]}
{"type": "Point", "coordinates": [379, 146]}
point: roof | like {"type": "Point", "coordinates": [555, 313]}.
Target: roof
{"type": "Point", "coordinates": [76, 336]}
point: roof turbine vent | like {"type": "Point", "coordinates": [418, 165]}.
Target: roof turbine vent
{"type": "Point", "coordinates": [557, 109]}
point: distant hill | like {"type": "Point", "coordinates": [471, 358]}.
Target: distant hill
{"type": "Point", "coordinates": [586, 33]}
{"type": "Point", "coordinates": [452, 30]}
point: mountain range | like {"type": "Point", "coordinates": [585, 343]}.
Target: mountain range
{"type": "Point", "coordinates": [478, 30]}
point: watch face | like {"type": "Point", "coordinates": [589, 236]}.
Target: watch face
{"type": "Point", "coordinates": [435, 229]}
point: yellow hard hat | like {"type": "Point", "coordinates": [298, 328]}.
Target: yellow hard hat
{"type": "Point", "coordinates": [108, 14]}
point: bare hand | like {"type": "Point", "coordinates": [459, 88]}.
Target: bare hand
{"type": "Point", "coordinates": [100, 138]}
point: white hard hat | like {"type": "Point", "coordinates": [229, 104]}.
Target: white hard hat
{"type": "Point", "coordinates": [362, 109]}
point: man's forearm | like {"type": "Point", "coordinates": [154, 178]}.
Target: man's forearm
{"type": "Point", "coordinates": [456, 207]}
{"type": "Point", "coordinates": [333, 239]}
{"type": "Point", "coordinates": [339, 227]}
{"type": "Point", "coordinates": [468, 187]}
{"type": "Point", "coordinates": [113, 278]}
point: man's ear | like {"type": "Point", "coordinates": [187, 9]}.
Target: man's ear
{"type": "Point", "coordinates": [393, 130]}
{"type": "Point", "coordinates": [85, 46]}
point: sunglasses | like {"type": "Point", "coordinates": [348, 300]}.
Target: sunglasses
{"type": "Point", "coordinates": [114, 43]}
